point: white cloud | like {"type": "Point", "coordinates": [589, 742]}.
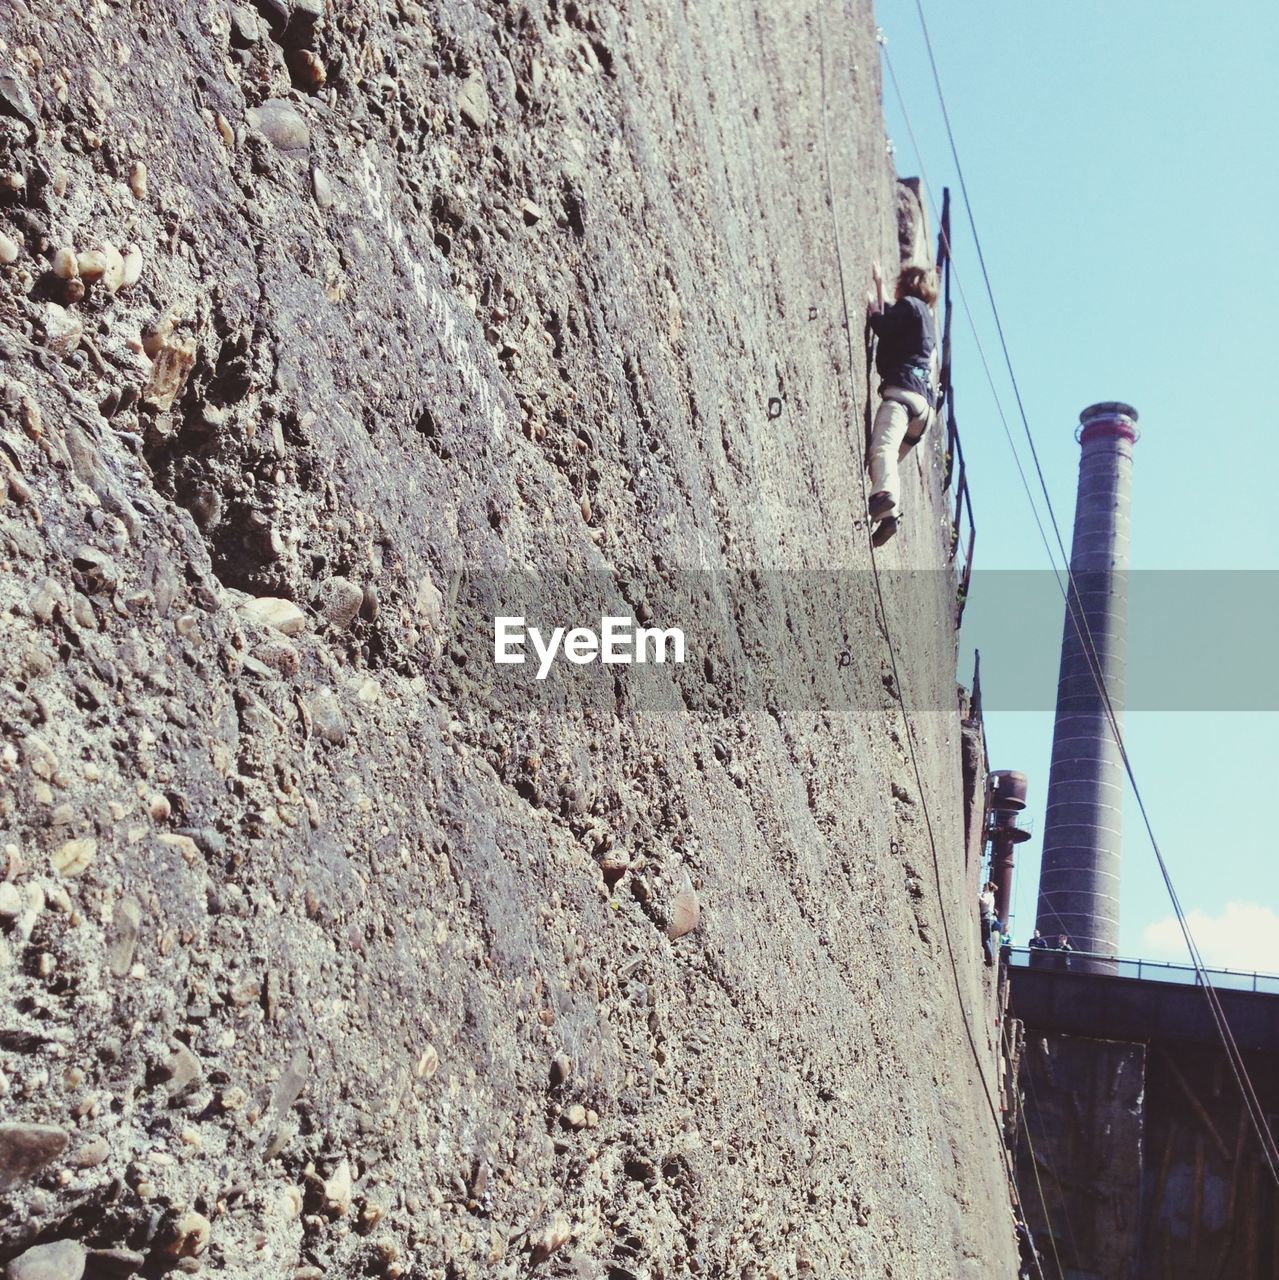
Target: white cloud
{"type": "Point", "coordinates": [1244, 935]}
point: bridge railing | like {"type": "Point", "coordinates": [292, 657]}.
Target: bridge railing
{"type": "Point", "coordinates": [1151, 970]}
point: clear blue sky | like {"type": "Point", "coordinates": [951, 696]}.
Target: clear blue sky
{"type": "Point", "coordinates": [1120, 161]}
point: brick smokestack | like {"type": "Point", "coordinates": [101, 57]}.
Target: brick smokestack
{"type": "Point", "coordinates": [1079, 875]}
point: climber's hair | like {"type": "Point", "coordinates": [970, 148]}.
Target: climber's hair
{"type": "Point", "coordinates": [918, 282]}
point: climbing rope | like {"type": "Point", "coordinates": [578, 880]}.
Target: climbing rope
{"type": "Point", "coordinates": [892, 648]}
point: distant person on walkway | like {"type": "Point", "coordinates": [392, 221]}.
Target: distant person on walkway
{"type": "Point", "coordinates": [1029, 1260]}
{"type": "Point", "coordinates": [905, 360]}
{"type": "Point", "coordinates": [989, 923]}
{"type": "Point", "coordinates": [1063, 948]}
{"type": "Point", "coordinates": [1038, 940]}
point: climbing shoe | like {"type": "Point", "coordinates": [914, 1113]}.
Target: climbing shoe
{"type": "Point", "coordinates": [881, 504]}
{"type": "Point", "coordinates": [883, 531]}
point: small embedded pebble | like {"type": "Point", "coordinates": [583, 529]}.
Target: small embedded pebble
{"type": "Point", "coordinates": [614, 865]}
{"type": "Point", "coordinates": [685, 911]}
{"type": "Point", "coordinates": [116, 1262]}
{"type": "Point", "coordinates": [321, 188]}
{"type": "Point", "coordinates": [65, 265]}
{"type": "Point", "coordinates": [92, 1154]}
{"type": "Point", "coordinates": [9, 249]}
{"type": "Point", "coordinates": [10, 901]}
{"type": "Point", "coordinates": [27, 1148]}
{"type": "Point", "coordinates": [206, 507]}
{"type": "Point", "coordinates": [339, 602]}
{"type": "Point", "coordinates": [283, 1136]}
{"type": "Point", "coordinates": [75, 856]}
{"type": "Point", "coordinates": [184, 845]}
{"type": "Point", "coordinates": [309, 70]}
{"type": "Point", "coordinates": [62, 330]}
{"type": "Point", "coordinates": [83, 612]}
{"type": "Point", "coordinates": [326, 715]}
{"type": "Point", "coordinates": [473, 101]}
{"type": "Point", "coordinates": [91, 265]}
{"type": "Point", "coordinates": [172, 358]}
{"type": "Point", "coordinates": [113, 276]}
{"type": "Point", "coordinates": [188, 1236]}
{"type": "Point", "coordinates": [280, 123]}
{"type": "Point", "coordinates": [57, 1260]}
{"type": "Point", "coordinates": [546, 1242]}
{"type": "Point", "coordinates": [281, 615]}
{"type": "Point", "coordinates": [428, 1064]}
{"type": "Point", "coordinates": [126, 924]}
{"type": "Point", "coordinates": [233, 1098]}
{"type": "Point", "coordinates": [279, 656]}
{"type": "Point", "coordinates": [338, 1190]}
{"type": "Point", "coordinates": [159, 808]}
{"type": "Point", "coordinates": [138, 179]}
{"type": "Point", "coordinates": [132, 267]}
{"type": "Point", "coordinates": [183, 1069]}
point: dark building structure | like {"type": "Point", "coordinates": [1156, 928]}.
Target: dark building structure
{"type": "Point", "coordinates": [1131, 1122]}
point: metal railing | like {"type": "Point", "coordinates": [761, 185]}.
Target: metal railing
{"type": "Point", "coordinates": [1151, 970]}
{"type": "Point", "coordinates": [963, 528]}
{"type": "Point", "coordinates": [1021, 822]}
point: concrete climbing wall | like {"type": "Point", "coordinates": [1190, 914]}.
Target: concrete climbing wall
{"type": "Point", "coordinates": [323, 953]}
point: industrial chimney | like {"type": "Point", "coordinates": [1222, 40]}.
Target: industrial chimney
{"type": "Point", "coordinates": [1079, 874]}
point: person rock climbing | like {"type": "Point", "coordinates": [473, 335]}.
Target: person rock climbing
{"type": "Point", "coordinates": [905, 362]}
{"type": "Point", "coordinates": [1029, 1259]}
{"type": "Point", "coordinates": [986, 905]}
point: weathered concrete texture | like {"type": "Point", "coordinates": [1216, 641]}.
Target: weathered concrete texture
{"type": "Point", "coordinates": [328, 957]}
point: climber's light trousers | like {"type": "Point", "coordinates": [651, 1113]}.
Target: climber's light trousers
{"type": "Point", "coordinates": [901, 419]}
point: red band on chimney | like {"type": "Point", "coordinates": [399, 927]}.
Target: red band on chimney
{"type": "Point", "coordinates": [1108, 427]}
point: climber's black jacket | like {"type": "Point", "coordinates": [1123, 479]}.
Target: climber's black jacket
{"type": "Point", "coordinates": [906, 341]}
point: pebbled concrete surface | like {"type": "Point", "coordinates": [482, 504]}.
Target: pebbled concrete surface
{"type": "Point", "coordinates": [323, 952]}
